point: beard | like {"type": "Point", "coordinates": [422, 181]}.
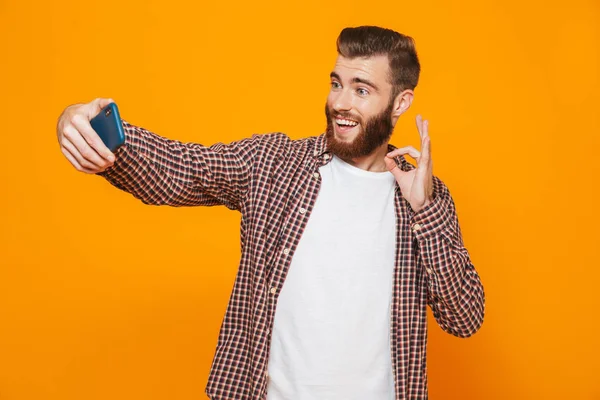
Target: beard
{"type": "Point", "coordinates": [377, 131]}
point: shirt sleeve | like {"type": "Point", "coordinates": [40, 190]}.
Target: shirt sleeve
{"type": "Point", "coordinates": [455, 292]}
{"type": "Point", "coordinates": [160, 171]}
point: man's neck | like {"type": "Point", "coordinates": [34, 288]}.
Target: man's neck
{"type": "Point", "coordinates": [373, 162]}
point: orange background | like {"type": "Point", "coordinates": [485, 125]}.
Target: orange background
{"type": "Point", "coordinates": [102, 297]}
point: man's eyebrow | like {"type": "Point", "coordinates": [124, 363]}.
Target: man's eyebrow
{"type": "Point", "coordinates": [356, 80]}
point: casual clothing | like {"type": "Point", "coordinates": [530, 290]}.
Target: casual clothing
{"type": "Point", "coordinates": [274, 182]}
{"type": "Point", "coordinates": [331, 332]}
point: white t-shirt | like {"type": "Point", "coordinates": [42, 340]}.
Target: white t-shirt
{"type": "Point", "coordinates": [330, 338]}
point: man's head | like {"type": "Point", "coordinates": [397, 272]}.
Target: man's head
{"type": "Point", "coordinates": [372, 84]}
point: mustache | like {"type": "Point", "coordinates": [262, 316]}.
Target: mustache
{"type": "Point", "coordinates": [344, 116]}
{"type": "Point", "coordinates": [347, 116]}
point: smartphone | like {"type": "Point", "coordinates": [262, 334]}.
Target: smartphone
{"type": "Point", "coordinates": [108, 126]}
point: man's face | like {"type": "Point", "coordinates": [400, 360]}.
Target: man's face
{"type": "Point", "coordinates": [359, 107]}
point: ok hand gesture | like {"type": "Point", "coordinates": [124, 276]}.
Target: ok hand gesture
{"type": "Point", "coordinates": [417, 184]}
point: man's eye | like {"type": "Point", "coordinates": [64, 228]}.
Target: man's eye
{"type": "Point", "coordinates": [335, 85]}
{"type": "Point", "coordinates": [362, 92]}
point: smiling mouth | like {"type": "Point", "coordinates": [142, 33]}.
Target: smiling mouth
{"type": "Point", "coordinates": [344, 125]}
{"type": "Point", "coordinates": [345, 121]}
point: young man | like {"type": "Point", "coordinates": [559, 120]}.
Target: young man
{"type": "Point", "coordinates": [363, 240]}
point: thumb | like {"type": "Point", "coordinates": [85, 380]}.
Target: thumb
{"type": "Point", "coordinates": [97, 105]}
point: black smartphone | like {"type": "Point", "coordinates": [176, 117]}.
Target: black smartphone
{"type": "Point", "coordinates": [108, 126]}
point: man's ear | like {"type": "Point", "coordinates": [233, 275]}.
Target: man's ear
{"type": "Point", "coordinates": [402, 102]}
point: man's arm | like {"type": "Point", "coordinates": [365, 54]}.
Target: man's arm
{"type": "Point", "coordinates": [455, 292]}
{"type": "Point", "coordinates": [154, 169]}
{"type": "Point", "coordinates": [161, 171]}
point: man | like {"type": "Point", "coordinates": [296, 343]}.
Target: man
{"type": "Point", "coordinates": [363, 240]}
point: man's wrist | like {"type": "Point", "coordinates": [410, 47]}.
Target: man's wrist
{"type": "Point", "coordinates": [432, 217]}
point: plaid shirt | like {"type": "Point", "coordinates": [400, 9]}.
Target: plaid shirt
{"type": "Point", "coordinates": [274, 182]}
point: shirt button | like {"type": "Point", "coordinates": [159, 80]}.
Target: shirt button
{"type": "Point", "coordinates": [302, 210]}
{"type": "Point", "coordinates": [416, 227]}
{"type": "Point", "coordinates": [428, 270]}
{"type": "Point", "coordinates": [273, 290]}
{"type": "Point", "coordinates": [316, 175]}
{"type": "Point", "coordinates": [286, 251]}
{"type": "Point", "coordinates": [326, 156]}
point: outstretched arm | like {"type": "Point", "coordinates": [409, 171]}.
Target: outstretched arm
{"type": "Point", "coordinates": [154, 169]}
{"type": "Point", "coordinates": [161, 171]}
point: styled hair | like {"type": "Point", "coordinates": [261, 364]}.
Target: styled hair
{"type": "Point", "coordinates": [369, 41]}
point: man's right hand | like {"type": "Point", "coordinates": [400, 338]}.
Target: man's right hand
{"type": "Point", "coordinates": [78, 141]}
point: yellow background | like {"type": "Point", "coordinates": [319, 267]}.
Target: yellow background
{"type": "Point", "coordinates": [102, 297]}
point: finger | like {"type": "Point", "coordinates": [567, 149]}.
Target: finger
{"type": "Point", "coordinates": [425, 159]}
{"type": "Point", "coordinates": [424, 130]}
{"type": "Point", "coordinates": [426, 147]}
{"type": "Point", "coordinates": [70, 147]}
{"type": "Point", "coordinates": [91, 137]}
{"type": "Point", "coordinates": [411, 151]}
{"type": "Point", "coordinates": [424, 162]}
{"type": "Point", "coordinates": [419, 121]}
{"type": "Point", "coordinates": [428, 160]}
{"type": "Point", "coordinates": [74, 161]}
{"type": "Point", "coordinates": [425, 169]}
{"type": "Point", "coordinates": [72, 141]}
{"type": "Point", "coordinates": [83, 148]}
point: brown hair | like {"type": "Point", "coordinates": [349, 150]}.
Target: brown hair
{"type": "Point", "coordinates": [368, 41]}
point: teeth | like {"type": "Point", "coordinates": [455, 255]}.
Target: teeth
{"type": "Point", "coordinates": [346, 122]}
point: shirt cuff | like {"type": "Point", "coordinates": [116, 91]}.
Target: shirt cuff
{"type": "Point", "coordinates": [121, 155]}
{"type": "Point", "coordinates": [435, 216]}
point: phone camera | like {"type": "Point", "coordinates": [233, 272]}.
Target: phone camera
{"type": "Point", "coordinates": [107, 112]}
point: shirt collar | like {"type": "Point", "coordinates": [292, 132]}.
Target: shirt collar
{"type": "Point", "coordinates": [320, 146]}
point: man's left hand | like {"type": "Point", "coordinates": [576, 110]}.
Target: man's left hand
{"type": "Point", "coordinates": [417, 184]}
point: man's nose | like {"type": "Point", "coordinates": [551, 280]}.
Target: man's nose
{"type": "Point", "coordinates": [342, 102]}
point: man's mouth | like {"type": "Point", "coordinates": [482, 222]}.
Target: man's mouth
{"type": "Point", "coordinates": [344, 125]}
